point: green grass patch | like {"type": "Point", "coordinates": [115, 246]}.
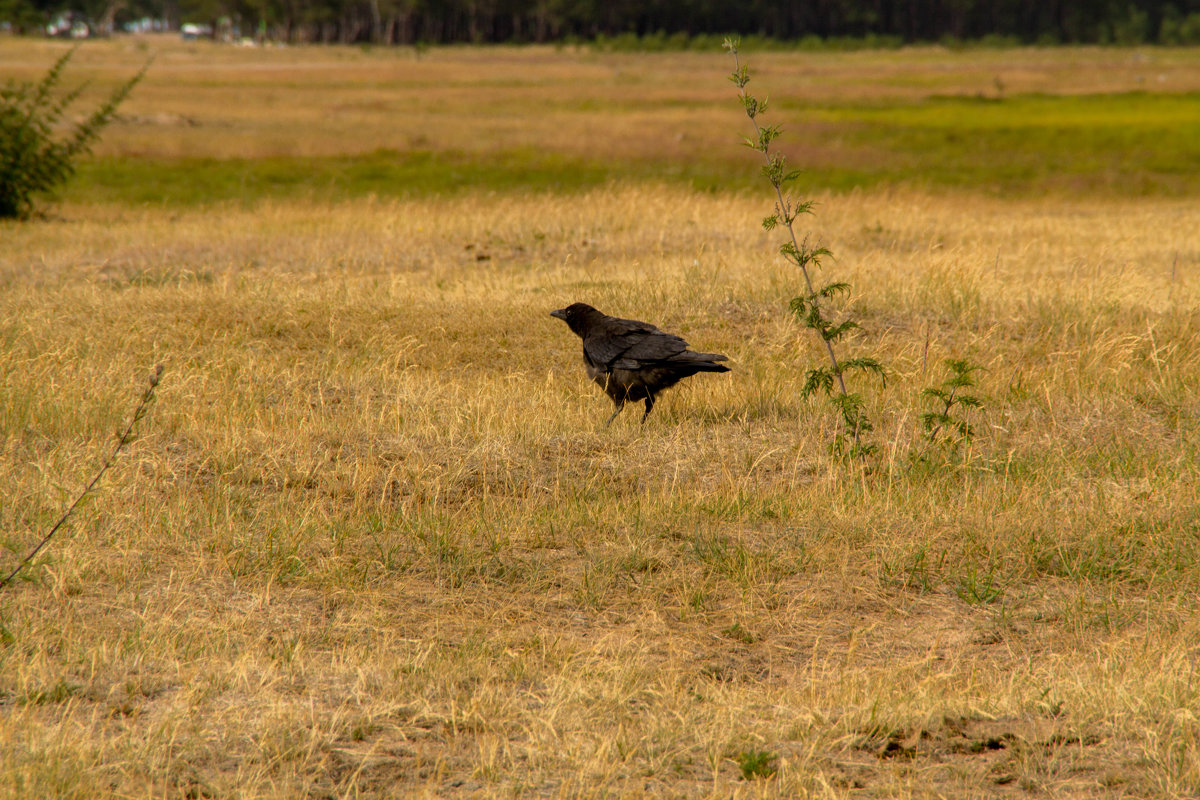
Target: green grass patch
{"type": "Point", "coordinates": [383, 173]}
{"type": "Point", "coordinates": [1134, 143]}
{"type": "Point", "coordinates": [1116, 143]}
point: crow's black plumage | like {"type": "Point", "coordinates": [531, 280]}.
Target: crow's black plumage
{"type": "Point", "coordinates": [633, 360]}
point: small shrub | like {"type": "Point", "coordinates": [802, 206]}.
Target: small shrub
{"type": "Point", "coordinates": [32, 160]}
{"type": "Point", "coordinates": [950, 400]}
{"type": "Point", "coordinates": [755, 763]}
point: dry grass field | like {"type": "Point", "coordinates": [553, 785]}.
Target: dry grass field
{"type": "Point", "coordinates": [204, 99]}
{"type": "Point", "coordinates": [374, 541]}
{"type": "Point", "coordinates": [1108, 120]}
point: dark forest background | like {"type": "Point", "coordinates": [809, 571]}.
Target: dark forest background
{"type": "Point", "coordinates": [645, 24]}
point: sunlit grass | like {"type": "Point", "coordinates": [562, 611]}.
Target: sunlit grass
{"type": "Point", "coordinates": [212, 124]}
{"type": "Point", "coordinates": [375, 538]}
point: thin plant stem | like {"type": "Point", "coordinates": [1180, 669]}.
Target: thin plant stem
{"type": "Point", "coordinates": [948, 403]}
{"type": "Point", "coordinates": [785, 214]}
{"type": "Point", "coordinates": [139, 412]}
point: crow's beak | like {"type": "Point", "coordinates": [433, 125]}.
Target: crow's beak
{"type": "Point", "coordinates": [561, 313]}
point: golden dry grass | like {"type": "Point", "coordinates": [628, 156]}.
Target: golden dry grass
{"type": "Point", "coordinates": [375, 542]}
{"type": "Point", "coordinates": [207, 100]}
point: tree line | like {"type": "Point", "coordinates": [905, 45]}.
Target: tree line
{"type": "Point", "coordinates": [646, 23]}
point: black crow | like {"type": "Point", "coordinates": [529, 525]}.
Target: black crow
{"type": "Point", "coordinates": [632, 360]}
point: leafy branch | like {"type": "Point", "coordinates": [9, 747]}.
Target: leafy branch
{"type": "Point", "coordinates": [809, 307]}
{"type": "Point", "coordinates": [949, 398]}
{"type": "Point", "coordinates": [32, 160]}
{"type": "Point", "coordinates": [142, 409]}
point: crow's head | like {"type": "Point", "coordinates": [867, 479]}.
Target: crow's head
{"type": "Point", "coordinates": [578, 316]}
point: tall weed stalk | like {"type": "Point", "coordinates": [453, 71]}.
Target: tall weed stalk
{"type": "Point", "coordinates": [811, 306]}
{"type": "Point", "coordinates": [142, 409]}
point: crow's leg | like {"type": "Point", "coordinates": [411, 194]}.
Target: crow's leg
{"type": "Point", "coordinates": [620, 405]}
{"type": "Point", "coordinates": [649, 405]}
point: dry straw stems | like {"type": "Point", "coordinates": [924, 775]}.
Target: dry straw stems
{"type": "Point", "coordinates": [378, 543]}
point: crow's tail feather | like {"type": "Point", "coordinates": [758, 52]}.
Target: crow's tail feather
{"type": "Point", "coordinates": [701, 362]}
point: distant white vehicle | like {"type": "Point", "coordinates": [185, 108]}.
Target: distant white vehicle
{"type": "Point", "coordinates": [190, 30]}
{"type": "Point", "coordinates": [68, 25]}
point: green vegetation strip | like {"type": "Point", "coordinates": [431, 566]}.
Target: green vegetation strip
{"type": "Point", "coordinates": [1133, 143]}
{"type": "Point", "coordinates": [1125, 143]}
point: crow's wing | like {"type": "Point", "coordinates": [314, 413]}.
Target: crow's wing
{"type": "Point", "coordinates": [629, 344]}
{"type": "Point", "coordinates": [654, 347]}
{"type": "Point", "coordinates": [632, 350]}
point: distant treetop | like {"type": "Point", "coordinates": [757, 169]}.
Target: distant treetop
{"type": "Point", "coordinates": [625, 24]}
